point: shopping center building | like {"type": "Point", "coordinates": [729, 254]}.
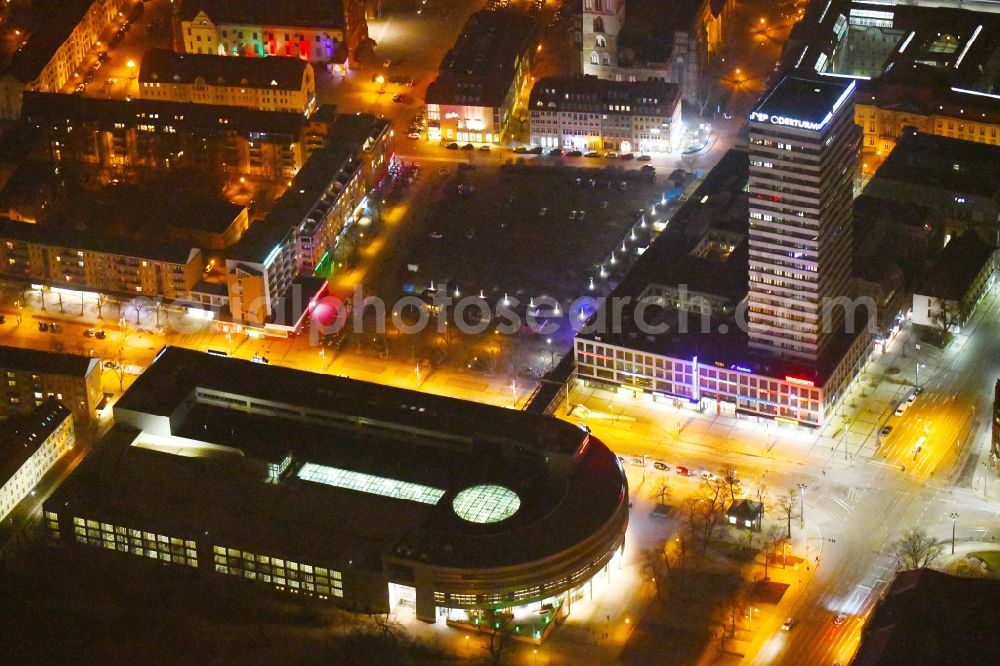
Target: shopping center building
{"type": "Point", "coordinates": [371, 497]}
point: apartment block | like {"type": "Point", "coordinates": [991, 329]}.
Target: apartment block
{"type": "Point", "coordinates": [29, 447]}
{"type": "Point", "coordinates": [31, 376]}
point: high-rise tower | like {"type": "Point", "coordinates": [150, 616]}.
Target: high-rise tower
{"type": "Point", "coordinates": [804, 149]}
{"type": "Point", "coordinates": [602, 21]}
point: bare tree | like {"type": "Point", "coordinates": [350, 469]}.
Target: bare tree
{"type": "Point", "coordinates": [661, 491]}
{"type": "Point", "coordinates": [950, 315]}
{"type": "Point", "coordinates": [916, 550]}
{"type": "Point", "coordinates": [775, 538]}
{"type": "Point", "coordinates": [705, 511]}
{"type": "Point", "coordinates": [785, 507]}
{"type": "Point", "coordinates": [500, 639]}
{"type": "Point", "coordinates": [386, 624]}
{"type": "Point", "coordinates": [100, 305]}
{"type": "Point", "coordinates": [732, 479]}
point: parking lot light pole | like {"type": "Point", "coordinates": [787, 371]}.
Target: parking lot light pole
{"type": "Point", "coordinates": [802, 505]}
{"type": "Point", "coordinates": [954, 517]}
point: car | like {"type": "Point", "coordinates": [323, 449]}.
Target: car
{"type": "Point", "coordinates": [644, 158]}
{"type": "Point", "coordinates": [662, 466]}
{"type": "Point", "coordinates": [43, 327]}
{"type": "Point", "coordinates": [413, 135]}
{"type": "Point", "coordinates": [89, 333]}
{"type": "Point", "coordinates": [542, 211]}
{"type": "Point", "coordinates": [628, 156]}
{"type": "Point", "coordinates": [80, 88]}
{"type": "Point", "coordinates": [521, 149]}
{"type": "Point", "coordinates": [437, 234]}
{"type": "Point", "coordinates": [918, 390]}
{"type": "Point", "coordinates": [787, 624]}
{"type": "Point", "coordinates": [611, 156]}
{"type": "Point", "coordinates": [592, 154]}
{"type": "Point", "coordinates": [708, 476]}
{"type": "Point", "coordinates": [452, 146]}
{"type": "Point", "coordinates": [682, 470]}
{"type": "Point", "coordinates": [100, 335]}
{"type": "Point", "coordinates": [555, 152]}
{"type": "Point", "coordinates": [53, 328]}
{"type": "Point", "coordinates": [536, 150]}
{"type": "Point", "coordinates": [485, 148]}
{"type": "Point", "coordinates": [575, 153]}
{"type": "Point", "coordinates": [884, 432]}
{"type": "Point", "coordinates": [572, 215]}
{"type": "Point", "coordinates": [580, 215]}
{"type": "Point", "coordinates": [637, 461]}
{"type": "Point", "coordinates": [910, 399]}
{"type": "Point", "coordinates": [840, 619]}
{"type": "Point", "coordinates": [468, 146]}
{"type": "Point", "coordinates": [727, 115]}
{"type": "Point", "coordinates": [900, 408]}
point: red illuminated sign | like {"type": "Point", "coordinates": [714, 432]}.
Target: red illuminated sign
{"type": "Point", "coordinates": [799, 381]}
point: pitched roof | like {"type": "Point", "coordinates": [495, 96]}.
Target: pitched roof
{"type": "Point", "coordinates": [283, 73]}
{"type": "Point", "coordinates": [41, 43]}
{"type": "Point", "coordinates": [26, 435]}
{"type": "Point", "coordinates": [290, 13]}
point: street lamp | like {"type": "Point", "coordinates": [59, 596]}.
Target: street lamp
{"type": "Point", "coordinates": [380, 80]}
{"type": "Point", "coordinates": [954, 517]}
{"type": "Point", "coordinates": [802, 505]}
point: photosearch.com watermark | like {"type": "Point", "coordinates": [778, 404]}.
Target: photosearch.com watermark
{"type": "Point", "coordinates": [681, 312]}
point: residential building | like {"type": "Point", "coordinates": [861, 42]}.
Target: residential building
{"type": "Point", "coordinates": [156, 134]}
{"type": "Point", "coordinates": [302, 229]}
{"type": "Point", "coordinates": [649, 40]}
{"type": "Point", "coordinates": [587, 113]}
{"type": "Point", "coordinates": [369, 497]}
{"type": "Point", "coordinates": [475, 94]}
{"type": "Point", "coordinates": [29, 447]}
{"type": "Point", "coordinates": [804, 150]}
{"type": "Point", "coordinates": [49, 58]}
{"type": "Point", "coordinates": [60, 257]}
{"type": "Point", "coordinates": [949, 290]}
{"type": "Point", "coordinates": [956, 181]}
{"type": "Point", "coordinates": [320, 32]}
{"type": "Point", "coordinates": [31, 376]}
{"type": "Point", "coordinates": [267, 84]}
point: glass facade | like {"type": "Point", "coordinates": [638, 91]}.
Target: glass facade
{"type": "Point", "coordinates": [285, 575]}
{"type": "Point", "coordinates": [126, 540]}
{"type": "Point", "coordinates": [368, 483]}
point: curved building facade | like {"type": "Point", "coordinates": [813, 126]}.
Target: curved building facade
{"type": "Point", "coordinates": [368, 496]}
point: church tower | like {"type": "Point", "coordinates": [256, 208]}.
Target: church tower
{"type": "Point", "coordinates": [602, 21]}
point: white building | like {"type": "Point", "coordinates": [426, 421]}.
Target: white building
{"type": "Point", "coordinates": [587, 113]}
{"type": "Point", "coordinates": [30, 450]}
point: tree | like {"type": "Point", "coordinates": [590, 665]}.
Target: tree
{"type": "Point", "coordinates": [775, 539]}
{"type": "Point", "coordinates": [661, 491]}
{"type": "Point", "coordinates": [705, 511]}
{"type": "Point", "coordinates": [732, 479]}
{"type": "Point", "coordinates": [916, 550]}
{"type": "Point", "coordinates": [949, 315]}
{"type": "Point", "coordinates": [785, 507]}
{"type": "Point", "coordinates": [502, 624]}
{"type": "Point", "coordinates": [385, 624]}
{"type": "Point", "coordinates": [100, 305]}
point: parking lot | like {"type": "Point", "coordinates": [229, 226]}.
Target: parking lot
{"type": "Point", "coordinates": [523, 231]}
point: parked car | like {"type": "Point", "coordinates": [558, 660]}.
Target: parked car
{"type": "Point", "coordinates": [885, 430]}
{"type": "Point", "coordinates": [628, 156]}
{"type": "Point", "coordinates": [840, 619]}
{"type": "Point", "coordinates": [575, 153]}
{"type": "Point", "coordinates": [556, 151]}
{"type": "Point", "coordinates": [918, 390]}
{"type": "Point", "coordinates": [43, 327]}
{"type": "Point", "coordinates": [485, 148]}
{"type": "Point", "coordinates": [644, 158]}
{"type": "Point", "coordinates": [682, 470]}
{"type": "Point", "coordinates": [592, 154]}
{"type": "Point", "coordinates": [787, 624]}
{"type": "Point", "coordinates": [89, 333]}
{"type": "Point", "coordinates": [468, 146]}
{"type": "Point", "coordinates": [413, 135]}
{"type": "Point", "coordinates": [901, 408]}
{"type": "Point", "coordinates": [521, 149]}
{"type": "Point", "coordinates": [100, 335]}
{"type": "Point", "coordinates": [452, 146]}
{"type": "Point", "coordinates": [536, 150]}
{"type": "Point", "coordinates": [910, 399]}
{"type": "Point", "coordinates": [662, 466]}
{"type": "Point", "coordinates": [611, 156]}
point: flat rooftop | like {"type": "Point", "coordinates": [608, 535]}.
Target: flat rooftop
{"type": "Point", "coordinates": [60, 236]}
{"type": "Point", "coordinates": [807, 99]}
{"type": "Point", "coordinates": [45, 362]}
{"type": "Point", "coordinates": [379, 436]}
{"type": "Point", "coordinates": [943, 163]}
